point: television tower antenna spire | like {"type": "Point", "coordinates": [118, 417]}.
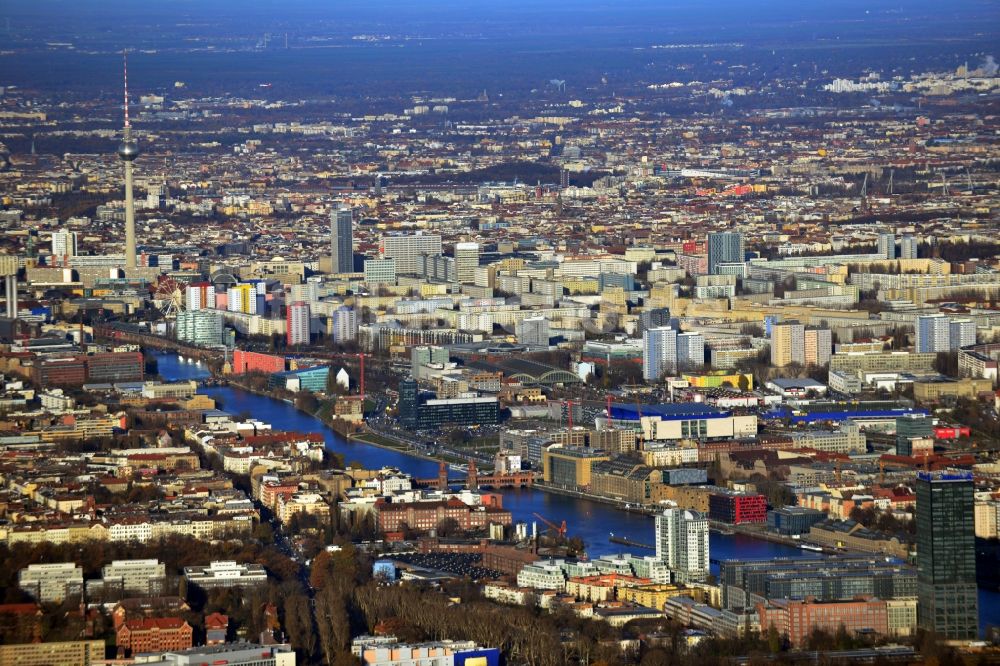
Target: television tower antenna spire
{"type": "Point", "coordinates": [127, 152]}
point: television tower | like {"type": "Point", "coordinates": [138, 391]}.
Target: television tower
{"type": "Point", "coordinates": [128, 151]}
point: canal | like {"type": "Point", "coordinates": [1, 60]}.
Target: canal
{"type": "Point", "coordinates": [593, 522]}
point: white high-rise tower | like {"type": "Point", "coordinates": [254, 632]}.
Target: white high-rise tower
{"type": "Point", "coordinates": [128, 151]}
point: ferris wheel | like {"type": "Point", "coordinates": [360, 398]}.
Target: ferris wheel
{"type": "Point", "coordinates": [168, 297]}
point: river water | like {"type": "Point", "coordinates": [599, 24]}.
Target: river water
{"type": "Point", "coordinates": [592, 521]}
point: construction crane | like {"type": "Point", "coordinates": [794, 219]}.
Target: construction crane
{"type": "Point", "coordinates": [558, 529]}
{"type": "Point", "coordinates": [568, 405]}
{"type": "Point", "coordinates": [864, 193]}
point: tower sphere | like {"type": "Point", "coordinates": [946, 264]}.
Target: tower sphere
{"type": "Point", "coordinates": [128, 150]}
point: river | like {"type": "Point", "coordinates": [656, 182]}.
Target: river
{"type": "Point", "coordinates": [592, 521]}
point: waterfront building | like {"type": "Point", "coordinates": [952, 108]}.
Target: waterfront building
{"type": "Point", "coordinates": [682, 543]}
{"type": "Point", "coordinates": [570, 466]}
{"type": "Point", "coordinates": [946, 555]}
{"type": "Point", "coordinates": [737, 508]}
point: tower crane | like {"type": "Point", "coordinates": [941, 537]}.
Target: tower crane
{"type": "Point", "coordinates": [559, 529]}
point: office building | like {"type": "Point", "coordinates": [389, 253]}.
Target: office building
{"type": "Point", "coordinates": [225, 574]}
{"type": "Point", "coordinates": [946, 555]}
{"type": "Point", "coordinates": [797, 619]}
{"type": "Point", "coordinates": [77, 653]}
{"type": "Point", "coordinates": [199, 296]}
{"type": "Point", "coordinates": [51, 583]}
{"type": "Point", "coordinates": [388, 651]}
{"type": "Point", "coordinates": [341, 240]}
{"type": "Point", "coordinates": [817, 346]}
{"type": "Point", "coordinates": [533, 332]}
{"type": "Point", "coordinates": [910, 427]}
{"type": "Point", "coordinates": [423, 355]}
{"type": "Point", "coordinates": [659, 353]}
{"type": "Point", "coordinates": [570, 466]}
{"type": "Point", "coordinates": [887, 246]}
{"type": "Point", "coordinates": [682, 543]}
{"type": "Point", "coordinates": [793, 520]}
{"type": "Point", "coordinates": [200, 327]}
{"type": "Point", "coordinates": [466, 262]}
{"type": "Point", "coordinates": [297, 324]}
{"type": "Point", "coordinates": [343, 325]}
{"type": "Point", "coordinates": [230, 654]}
{"type": "Point", "coordinates": [64, 244]}
{"type": "Point", "coordinates": [136, 576]}
{"type": "Point", "coordinates": [406, 250]}
{"type": "Point", "coordinates": [436, 412]}
{"type": "Point", "coordinates": [724, 248]}
{"type": "Point", "coordinates": [908, 247]}
{"type": "Point", "coordinates": [788, 344]}
{"type": "Point", "coordinates": [380, 271]}
{"type": "Point", "coordinates": [409, 399]}
{"type": "Point", "coordinates": [737, 508]}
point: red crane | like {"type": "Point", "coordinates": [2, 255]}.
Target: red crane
{"type": "Point", "coordinates": [568, 404]}
{"type": "Point", "coordinates": [558, 529]}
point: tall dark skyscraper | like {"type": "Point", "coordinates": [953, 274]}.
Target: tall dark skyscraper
{"type": "Point", "coordinates": [341, 241]}
{"type": "Point", "coordinates": [409, 403]}
{"type": "Point", "coordinates": [723, 248]}
{"type": "Point", "coordinates": [946, 555]}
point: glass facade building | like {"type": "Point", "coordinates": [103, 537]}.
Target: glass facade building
{"type": "Point", "coordinates": [946, 555]}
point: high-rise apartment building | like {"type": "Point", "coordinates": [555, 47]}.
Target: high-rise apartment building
{"type": "Point", "coordinates": [466, 262]}
{"type": "Point", "coordinates": [406, 250]}
{"type": "Point", "coordinates": [659, 353]}
{"type": "Point", "coordinates": [533, 331]}
{"type": "Point", "coordinates": [297, 324]}
{"type": "Point", "coordinates": [724, 247]}
{"type": "Point", "coordinates": [946, 555]}
{"type": "Point", "coordinates": [343, 324]}
{"type": "Point", "coordinates": [690, 351]}
{"type": "Point", "coordinates": [64, 243]}
{"type": "Point", "coordinates": [342, 240]}
{"type": "Point", "coordinates": [788, 344]}
{"type": "Point", "coordinates": [938, 333]}
{"type": "Point", "coordinates": [242, 298]}
{"type": "Point", "coordinates": [887, 245]}
{"type": "Point", "coordinates": [817, 346]}
{"type": "Point", "coordinates": [199, 296]}
{"type": "Point", "coordinates": [908, 247]}
{"type": "Point", "coordinates": [682, 542]}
